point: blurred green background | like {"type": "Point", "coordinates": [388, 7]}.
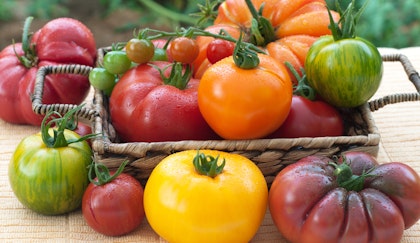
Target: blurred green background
{"type": "Point", "coordinates": [386, 23]}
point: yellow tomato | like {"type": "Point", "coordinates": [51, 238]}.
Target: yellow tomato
{"type": "Point", "coordinates": [183, 205]}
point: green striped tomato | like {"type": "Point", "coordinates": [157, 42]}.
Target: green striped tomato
{"type": "Point", "coordinates": [50, 181]}
{"type": "Point", "coordinates": [346, 72]}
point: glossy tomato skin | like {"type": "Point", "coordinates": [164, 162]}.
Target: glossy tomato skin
{"type": "Point", "coordinates": [318, 210]}
{"type": "Point", "coordinates": [50, 181]}
{"type": "Point", "coordinates": [345, 73]}
{"type": "Point", "coordinates": [310, 119]}
{"type": "Point", "coordinates": [184, 206]}
{"type": "Point", "coordinates": [143, 108]}
{"type": "Point", "coordinates": [115, 208]}
{"type": "Point", "coordinates": [60, 41]}
{"type": "Point", "coordinates": [245, 103]}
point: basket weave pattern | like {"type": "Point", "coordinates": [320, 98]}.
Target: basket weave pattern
{"type": "Point", "coordinates": [270, 155]}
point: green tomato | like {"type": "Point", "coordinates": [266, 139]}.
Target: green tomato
{"type": "Point", "coordinates": [101, 79]}
{"type": "Point", "coordinates": [160, 55]}
{"type": "Point", "coordinates": [47, 180]}
{"type": "Point", "coordinates": [345, 73]}
{"type": "Point", "coordinates": [116, 62]}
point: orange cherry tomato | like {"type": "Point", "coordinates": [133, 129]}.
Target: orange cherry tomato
{"type": "Point", "coordinates": [245, 103]}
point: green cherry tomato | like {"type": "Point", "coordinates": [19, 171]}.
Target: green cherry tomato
{"type": "Point", "coordinates": [139, 50]}
{"type": "Point", "coordinates": [160, 55]}
{"type": "Point", "coordinates": [346, 72]}
{"type": "Point", "coordinates": [116, 62]}
{"type": "Point", "coordinates": [101, 79]}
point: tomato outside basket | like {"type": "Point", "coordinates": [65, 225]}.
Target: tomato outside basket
{"type": "Point", "coordinates": [270, 155]}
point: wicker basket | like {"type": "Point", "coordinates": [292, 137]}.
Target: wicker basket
{"type": "Point", "coordinates": [270, 155]}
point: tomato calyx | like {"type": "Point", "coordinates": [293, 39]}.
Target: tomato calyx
{"type": "Point", "coordinates": [179, 76]}
{"type": "Point", "coordinates": [348, 21]}
{"type": "Point", "coordinates": [346, 179]}
{"type": "Point", "coordinates": [207, 165]}
{"type": "Point", "coordinates": [29, 59]}
{"type": "Point", "coordinates": [58, 140]}
{"type": "Point", "coordinates": [102, 173]}
{"type": "Point", "coordinates": [262, 31]}
{"type": "Point", "coordinates": [302, 88]}
{"type": "Point", "coordinates": [243, 56]}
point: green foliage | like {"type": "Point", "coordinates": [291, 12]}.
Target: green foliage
{"type": "Point", "coordinates": [46, 9]}
{"type": "Point", "coordinates": [388, 23]}
{"type": "Point", "coordinates": [6, 9]}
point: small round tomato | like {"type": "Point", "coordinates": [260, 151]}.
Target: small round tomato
{"type": "Point", "coordinates": [183, 49]}
{"type": "Point", "coordinates": [113, 202]}
{"type": "Point", "coordinates": [101, 79]}
{"type": "Point", "coordinates": [351, 199]}
{"type": "Point", "coordinates": [205, 196]}
{"type": "Point", "coordinates": [116, 62]}
{"type": "Point", "coordinates": [245, 103]}
{"type": "Point", "coordinates": [139, 50]}
{"type": "Point", "coordinates": [219, 49]}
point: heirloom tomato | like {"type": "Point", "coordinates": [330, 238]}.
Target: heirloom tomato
{"type": "Point", "coordinates": [350, 199]}
{"type": "Point", "coordinates": [242, 103]}
{"type": "Point", "coordinates": [345, 70]}
{"type": "Point", "coordinates": [60, 41]}
{"type": "Point", "coordinates": [284, 28]}
{"type": "Point", "coordinates": [149, 105]}
{"type": "Point", "coordinates": [48, 171]}
{"type": "Point", "coordinates": [205, 196]}
{"type": "Point", "coordinates": [113, 202]}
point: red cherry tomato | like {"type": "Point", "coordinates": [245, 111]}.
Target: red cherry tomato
{"type": "Point", "coordinates": [183, 49]}
{"type": "Point", "coordinates": [219, 49]}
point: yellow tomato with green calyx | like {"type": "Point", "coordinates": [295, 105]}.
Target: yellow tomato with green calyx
{"type": "Point", "coordinates": [205, 196]}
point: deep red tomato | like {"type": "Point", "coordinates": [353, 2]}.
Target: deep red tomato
{"type": "Point", "coordinates": [219, 49]}
{"type": "Point", "coordinates": [183, 49]}
{"type": "Point", "coordinates": [115, 207]}
{"type": "Point", "coordinates": [309, 118]}
{"type": "Point", "coordinates": [317, 200]}
{"type": "Point", "coordinates": [144, 108]}
{"type": "Point", "coordinates": [60, 41]}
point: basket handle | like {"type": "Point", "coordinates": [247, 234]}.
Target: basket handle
{"type": "Point", "coordinates": [89, 114]}
{"type": "Point", "coordinates": [39, 108]}
{"type": "Point", "coordinates": [413, 76]}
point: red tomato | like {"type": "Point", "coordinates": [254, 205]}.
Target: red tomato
{"type": "Point", "coordinates": [358, 201]}
{"type": "Point", "coordinates": [115, 208]}
{"type": "Point", "coordinates": [144, 108]}
{"type": "Point", "coordinates": [183, 49]}
{"type": "Point", "coordinates": [60, 41]}
{"type": "Point", "coordinates": [219, 49]}
{"type": "Point", "coordinates": [310, 119]}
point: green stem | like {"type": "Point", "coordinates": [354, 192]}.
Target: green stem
{"type": "Point", "coordinates": [29, 58]}
{"type": "Point", "coordinates": [207, 165]}
{"type": "Point", "coordinates": [346, 179]}
{"type": "Point", "coordinates": [58, 140]}
{"type": "Point", "coordinates": [162, 11]}
{"type": "Point", "coordinates": [262, 30]}
{"type": "Point", "coordinates": [102, 173]}
{"type": "Point", "coordinates": [302, 88]}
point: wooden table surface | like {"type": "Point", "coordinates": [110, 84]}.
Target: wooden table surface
{"type": "Point", "coordinates": [398, 124]}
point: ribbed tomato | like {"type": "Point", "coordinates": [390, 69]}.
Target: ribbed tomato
{"type": "Point", "coordinates": [295, 24]}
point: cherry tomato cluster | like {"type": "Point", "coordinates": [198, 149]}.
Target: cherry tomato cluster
{"type": "Point", "coordinates": [139, 51]}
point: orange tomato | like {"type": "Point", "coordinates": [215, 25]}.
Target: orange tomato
{"type": "Point", "coordinates": [245, 103]}
{"type": "Point", "coordinates": [297, 24]}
